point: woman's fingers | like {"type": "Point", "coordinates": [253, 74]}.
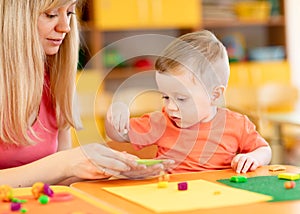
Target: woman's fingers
{"type": "Point", "coordinates": [105, 157]}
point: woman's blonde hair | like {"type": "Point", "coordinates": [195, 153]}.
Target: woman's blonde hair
{"type": "Point", "coordinates": [22, 68]}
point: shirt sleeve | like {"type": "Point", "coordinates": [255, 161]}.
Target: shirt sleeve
{"type": "Point", "coordinates": [146, 130]}
{"type": "Point", "coordinates": [251, 139]}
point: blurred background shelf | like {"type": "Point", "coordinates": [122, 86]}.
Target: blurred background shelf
{"type": "Point", "coordinates": [103, 19]}
{"type": "Point", "coordinates": [273, 21]}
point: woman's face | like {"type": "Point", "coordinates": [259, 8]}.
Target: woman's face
{"type": "Point", "coordinates": [53, 25]}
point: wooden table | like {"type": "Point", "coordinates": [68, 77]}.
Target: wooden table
{"type": "Point", "coordinates": [119, 205]}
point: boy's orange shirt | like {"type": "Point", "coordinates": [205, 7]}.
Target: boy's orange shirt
{"type": "Point", "coordinates": [204, 146]}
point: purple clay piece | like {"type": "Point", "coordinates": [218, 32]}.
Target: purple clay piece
{"type": "Point", "coordinates": [182, 186]}
{"type": "Point", "coordinates": [47, 190]}
{"type": "Point", "coordinates": [15, 206]}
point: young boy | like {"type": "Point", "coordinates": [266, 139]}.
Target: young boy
{"type": "Point", "coordinates": [191, 129]}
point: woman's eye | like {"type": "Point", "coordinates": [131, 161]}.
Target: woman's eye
{"type": "Point", "coordinates": [50, 15]}
{"type": "Point", "coordinates": [70, 13]}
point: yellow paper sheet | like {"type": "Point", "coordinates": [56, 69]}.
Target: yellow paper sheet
{"type": "Point", "coordinates": [201, 194]}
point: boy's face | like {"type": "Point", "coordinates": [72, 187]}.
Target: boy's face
{"type": "Point", "coordinates": [185, 99]}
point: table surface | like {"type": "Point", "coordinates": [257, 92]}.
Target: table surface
{"type": "Point", "coordinates": [120, 205]}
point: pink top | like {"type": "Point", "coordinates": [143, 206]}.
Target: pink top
{"type": "Point", "coordinates": [205, 146]}
{"type": "Point", "coordinates": [46, 129]}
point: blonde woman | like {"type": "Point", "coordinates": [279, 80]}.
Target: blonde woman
{"type": "Point", "coordinates": [38, 54]}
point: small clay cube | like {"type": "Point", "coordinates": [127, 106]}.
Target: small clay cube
{"type": "Point", "coordinates": [162, 184]}
{"type": "Point", "coordinates": [238, 179]}
{"type": "Point", "coordinates": [182, 186]}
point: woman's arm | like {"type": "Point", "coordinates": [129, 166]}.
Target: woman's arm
{"type": "Point", "coordinates": [91, 161]}
{"type": "Point", "coordinates": [50, 169]}
{"type": "Point", "coordinates": [64, 140]}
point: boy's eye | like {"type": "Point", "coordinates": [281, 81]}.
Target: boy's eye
{"type": "Point", "coordinates": [181, 99]}
{"type": "Point", "coordinates": [165, 97]}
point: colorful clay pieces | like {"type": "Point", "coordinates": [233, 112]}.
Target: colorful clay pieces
{"type": "Point", "coordinates": [182, 186]}
{"type": "Point", "coordinates": [238, 179]}
{"type": "Point", "coordinates": [39, 190]}
{"type": "Point", "coordinates": [290, 184]}
{"type": "Point", "coordinates": [163, 180]}
{"type": "Point", "coordinates": [44, 199]}
{"type": "Point", "coordinates": [162, 184]}
{"type": "Point", "coordinates": [274, 168]}
{"type": "Point", "coordinates": [48, 191]}
{"type": "Point", "coordinates": [148, 162]}
{"type": "Point", "coordinates": [6, 193]}
{"type": "Point", "coordinates": [42, 192]}
{"type": "Point", "coordinates": [289, 176]}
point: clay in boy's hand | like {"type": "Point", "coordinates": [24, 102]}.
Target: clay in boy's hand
{"type": "Point", "coordinates": [167, 163]}
{"type": "Point", "coordinates": [148, 162]}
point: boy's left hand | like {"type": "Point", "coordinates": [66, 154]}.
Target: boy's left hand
{"type": "Point", "coordinates": [244, 163]}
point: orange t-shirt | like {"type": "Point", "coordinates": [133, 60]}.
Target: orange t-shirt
{"type": "Point", "coordinates": [204, 146]}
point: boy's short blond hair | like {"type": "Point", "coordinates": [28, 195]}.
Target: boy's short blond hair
{"type": "Point", "coordinates": [198, 52]}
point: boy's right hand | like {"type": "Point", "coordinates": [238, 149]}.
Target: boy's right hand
{"type": "Point", "coordinates": [118, 117]}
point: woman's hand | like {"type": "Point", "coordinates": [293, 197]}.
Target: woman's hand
{"type": "Point", "coordinates": [96, 161]}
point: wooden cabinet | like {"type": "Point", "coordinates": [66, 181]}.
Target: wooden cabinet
{"type": "Point", "coordinates": [246, 81]}
{"type": "Point", "coordinates": [255, 74]}
{"type": "Point", "coordinates": [141, 14]}
{"type": "Point", "coordinates": [116, 14]}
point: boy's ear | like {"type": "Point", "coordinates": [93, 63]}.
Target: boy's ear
{"type": "Point", "coordinates": [218, 92]}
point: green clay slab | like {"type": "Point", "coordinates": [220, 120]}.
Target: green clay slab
{"type": "Point", "coordinates": [148, 162]}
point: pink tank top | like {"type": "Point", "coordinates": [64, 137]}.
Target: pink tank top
{"type": "Point", "coordinates": [45, 128]}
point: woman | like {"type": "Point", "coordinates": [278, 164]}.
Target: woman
{"type": "Point", "coordinates": [39, 52]}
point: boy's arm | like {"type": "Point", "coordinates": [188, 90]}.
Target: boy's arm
{"type": "Point", "coordinates": [113, 134]}
{"type": "Point", "coordinates": [249, 159]}
{"type": "Point", "coordinates": [117, 122]}
{"type": "Point", "coordinates": [262, 155]}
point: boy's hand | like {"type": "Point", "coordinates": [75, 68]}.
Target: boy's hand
{"type": "Point", "coordinates": [118, 116]}
{"type": "Point", "coordinates": [244, 163]}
